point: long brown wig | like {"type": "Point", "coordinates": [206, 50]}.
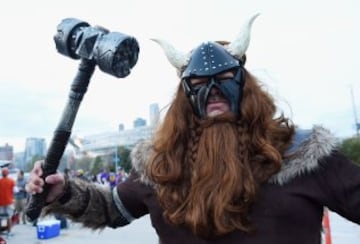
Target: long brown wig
{"type": "Point", "coordinates": [207, 172]}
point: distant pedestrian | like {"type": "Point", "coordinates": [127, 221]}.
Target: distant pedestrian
{"type": "Point", "coordinates": [80, 175]}
{"type": "Point", "coordinates": [104, 177]}
{"type": "Point", "coordinates": [112, 180]}
{"type": "Point", "coordinates": [120, 176]}
{"type": "Point", "coordinates": [20, 196]}
{"type": "Point", "coordinates": [93, 178]}
{"type": "Point", "coordinates": [7, 186]}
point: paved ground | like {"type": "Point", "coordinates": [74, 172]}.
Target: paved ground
{"type": "Point", "coordinates": [140, 231]}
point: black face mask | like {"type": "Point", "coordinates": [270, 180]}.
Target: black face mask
{"type": "Point", "coordinates": [208, 60]}
{"type": "Point", "coordinates": [231, 89]}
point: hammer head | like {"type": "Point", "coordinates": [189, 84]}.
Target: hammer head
{"type": "Point", "coordinates": [115, 53]}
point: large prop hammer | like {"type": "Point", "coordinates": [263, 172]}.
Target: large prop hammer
{"type": "Point", "coordinates": [115, 53]}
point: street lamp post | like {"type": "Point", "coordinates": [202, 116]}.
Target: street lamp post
{"type": "Point", "coordinates": [357, 124]}
{"type": "Point", "coordinates": [116, 159]}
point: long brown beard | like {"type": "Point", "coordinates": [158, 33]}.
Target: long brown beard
{"type": "Point", "coordinates": [207, 172]}
{"type": "Point", "coordinates": [222, 187]}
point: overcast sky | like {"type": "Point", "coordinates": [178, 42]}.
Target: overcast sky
{"type": "Point", "coordinates": [306, 52]}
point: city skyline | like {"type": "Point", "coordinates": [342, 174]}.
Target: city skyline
{"type": "Point", "coordinates": [48, 139]}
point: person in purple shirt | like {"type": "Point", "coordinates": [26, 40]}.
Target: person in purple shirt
{"type": "Point", "coordinates": [120, 176]}
{"type": "Point", "coordinates": [104, 176]}
{"type": "Point", "coordinates": [112, 180]}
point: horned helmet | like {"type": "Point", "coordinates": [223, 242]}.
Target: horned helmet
{"type": "Point", "coordinates": [208, 60]}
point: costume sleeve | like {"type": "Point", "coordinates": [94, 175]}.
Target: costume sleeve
{"type": "Point", "coordinates": [340, 180]}
{"type": "Point", "coordinates": [133, 195]}
{"type": "Point", "coordinates": [91, 204]}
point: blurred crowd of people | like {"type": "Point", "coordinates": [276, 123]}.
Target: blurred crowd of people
{"type": "Point", "coordinates": [104, 177]}
{"type": "Point", "coordinates": [12, 200]}
{"type": "Point", "coordinates": [13, 196]}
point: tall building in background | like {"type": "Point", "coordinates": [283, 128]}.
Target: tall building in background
{"type": "Point", "coordinates": [121, 127]}
{"type": "Point", "coordinates": [6, 152]}
{"type": "Point", "coordinates": [34, 147]}
{"type": "Point", "coordinates": [19, 161]}
{"type": "Point", "coordinates": [139, 122]}
{"type": "Point", "coordinates": [154, 114]}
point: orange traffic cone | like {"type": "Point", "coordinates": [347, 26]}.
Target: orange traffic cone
{"type": "Point", "coordinates": [326, 227]}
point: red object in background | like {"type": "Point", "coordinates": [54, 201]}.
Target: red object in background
{"type": "Point", "coordinates": [326, 227]}
{"type": "Point", "coordinates": [15, 219]}
{"type": "Point", "coordinates": [2, 240]}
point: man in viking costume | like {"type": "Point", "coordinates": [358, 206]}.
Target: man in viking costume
{"type": "Point", "coordinates": [222, 167]}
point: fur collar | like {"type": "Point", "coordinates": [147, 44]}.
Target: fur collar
{"type": "Point", "coordinates": [308, 147]}
{"type": "Point", "coordinates": [139, 156]}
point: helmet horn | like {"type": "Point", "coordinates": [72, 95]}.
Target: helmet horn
{"type": "Point", "coordinates": [239, 46]}
{"type": "Point", "coordinates": [175, 57]}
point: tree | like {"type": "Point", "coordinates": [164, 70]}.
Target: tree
{"type": "Point", "coordinates": [351, 148]}
{"type": "Point", "coordinates": [124, 155]}
{"type": "Point", "coordinates": [97, 166]}
{"type": "Point", "coordinates": [84, 163]}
